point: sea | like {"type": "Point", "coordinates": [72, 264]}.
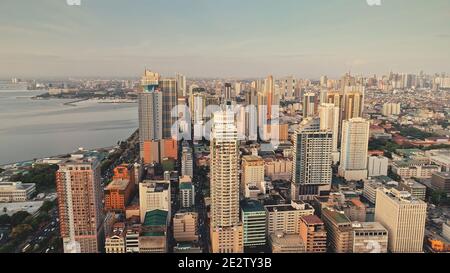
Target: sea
{"type": "Point", "coordinates": [32, 128]}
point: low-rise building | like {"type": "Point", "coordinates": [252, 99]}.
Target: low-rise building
{"type": "Point", "coordinates": [153, 236]}
{"type": "Point", "coordinates": [115, 241]}
{"type": "Point", "coordinates": [286, 218]}
{"type": "Point", "coordinates": [414, 169]}
{"type": "Point", "coordinates": [441, 181]}
{"type": "Point", "coordinates": [313, 234]}
{"type": "Point", "coordinates": [185, 227]}
{"type": "Point", "coordinates": [369, 237]}
{"type": "Point", "coordinates": [16, 191]}
{"type": "Point", "coordinates": [416, 189]}
{"type": "Point", "coordinates": [118, 194]}
{"type": "Point", "coordinates": [254, 222]}
{"type": "Point", "coordinates": [286, 243]}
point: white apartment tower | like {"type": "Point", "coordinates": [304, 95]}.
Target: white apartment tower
{"type": "Point", "coordinates": [329, 120]}
{"type": "Point", "coordinates": [354, 149]}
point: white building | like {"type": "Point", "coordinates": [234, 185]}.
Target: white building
{"type": "Point", "coordinates": [354, 148]}
{"type": "Point", "coordinates": [377, 166]}
{"type": "Point", "coordinates": [154, 195]}
{"type": "Point", "coordinates": [16, 191]}
{"type": "Point", "coordinates": [329, 120]}
{"type": "Point", "coordinates": [391, 109]}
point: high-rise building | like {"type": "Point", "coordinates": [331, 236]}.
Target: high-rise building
{"type": "Point", "coordinates": [313, 234]}
{"type": "Point", "coordinates": [252, 173]}
{"type": "Point", "coordinates": [354, 149]}
{"type": "Point", "coordinates": [353, 104]}
{"type": "Point", "coordinates": [154, 195]}
{"type": "Point", "coordinates": [227, 93]}
{"type": "Point", "coordinates": [309, 105]}
{"type": "Point", "coordinates": [157, 99]}
{"type": "Point", "coordinates": [226, 229]}
{"type": "Point", "coordinates": [377, 166]}
{"type": "Point", "coordinates": [288, 87]}
{"type": "Point", "coordinates": [80, 195]}
{"type": "Point", "coordinates": [187, 168]}
{"type": "Point", "coordinates": [312, 160]}
{"type": "Point", "coordinates": [187, 194]}
{"type": "Point", "coordinates": [329, 120]}
{"type": "Point", "coordinates": [254, 223]}
{"type": "Point", "coordinates": [391, 109]}
{"type": "Point", "coordinates": [181, 86]}
{"type": "Point", "coordinates": [339, 231]}
{"type": "Point", "coordinates": [185, 227]}
{"type": "Point", "coordinates": [150, 117]}
{"type": "Point", "coordinates": [404, 218]}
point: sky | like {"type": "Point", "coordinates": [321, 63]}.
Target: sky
{"type": "Point", "coordinates": [222, 38]}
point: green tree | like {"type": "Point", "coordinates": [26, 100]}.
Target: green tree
{"type": "Point", "coordinates": [19, 217]}
{"type": "Point", "coordinates": [21, 232]}
{"type": "Point", "coordinates": [5, 219]}
{"type": "Point", "coordinates": [47, 206]}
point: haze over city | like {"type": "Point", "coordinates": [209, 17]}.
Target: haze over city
{"type": "Point", "coordinates": [200, 38]}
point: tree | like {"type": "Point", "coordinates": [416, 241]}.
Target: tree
{"type": "Point", "coordinates": [20, 232]}
{"type": "Point", "coordinates": [19, 218]}
{"type": "Point", "coordinates": [5, 219]}
{"type": "Point", "coordinates": [47, 206]}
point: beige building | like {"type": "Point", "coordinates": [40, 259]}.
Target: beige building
{"type": "Point", "coordinates": [286, 218]}
{"type": "Point", "coordinates": [414, 168]}
{"type": "Point", "coordinates": [115, 241]}
{"type": "Point", "coordinates": [369, 237]}
{"type": "Point", "coordinates": [339, 231]}
{"type": "Point", "coordinates": [278, 168]}
{"type": "Point", "coordinates": [185, 227]}
{"type": "Point", "coordinates": [354, 148]}
{"type": "Point", "coordinates": [16, 191]}
{"type": "Point", "coordinates": [226, 229]}
{"type": "Point", "coordinates": [252, 173]}
{"type": "Point", "coordinates": [286, 243]}
{"type": "Point", "coordinates": [154, 195]}
{"type": "Point", "coordinates": [404, 218]}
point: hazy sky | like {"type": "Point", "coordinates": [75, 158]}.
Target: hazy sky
{"type": "Point", "coordinates": [231, 38]}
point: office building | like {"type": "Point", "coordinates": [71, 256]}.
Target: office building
{"type": "Point", "coordinates": [286, 217]}
{"type": "Point", "coordinates": [404, 218]}
{"type": "Point", "coordinates": [312, 150]}
{"type": "Point", "coordinates": [118, 194]}
{"type": "Point", "coordinates": [286, 243]}
{"type": "Point", "coordinates": [339, 231]}
{"type": "Point", "coordinates": [369, 237]}
{"type": "Point", "coordinates": [226, 229]}
{"type": "Point", "coordinates": [313, 234]}
{"type": "Point", "coordinates": [254, 223]}
{"type": "Point", "coordinates": [181, 85]}
{"type": "Point", "coordinates": [377, 166]}
{"type": "Point", "coordinates": [391, 109]}
{"type": "Point", "coordinates": [154, 195]}
{"type": "Point", "coordinates": [252, 173]}
{"type": "Point", "coordinates": [353, 104]}
{"type": "Point", "coordinates": [187, 194]}
{"type": "Point", "coordinates": [354, 148]}
{"type": "Point", "coordinates": [185, 227]}
{"type": "Point", "coordinates": [16, 191]}
{"type": "Point", "coordinates": [153, 236]}
{"type": "Point", "coordinates": [441, 181]}
{"type": "Point", "coordinates": [187, 163]}
{"type": "Point", "coordinates": [80, 205]}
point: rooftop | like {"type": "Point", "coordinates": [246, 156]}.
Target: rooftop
{"type": "Point", "coordinates": [338, 217]}
{"type": "Point", "coordinates": [312, 220]}
{"type": "Point", "coordinates": [118, 184]}
{"type": "Point", "coordinates": [155, 218]}
{"type": "Point", "coordinates": [252, 206]}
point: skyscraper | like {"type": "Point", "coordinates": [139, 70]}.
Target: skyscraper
{"type": "Point", "coordinates": [80, 205]}
{"type": "Point", "coordinates": [157, 99]}
{"type": "Point", "coordinates": [353, 105]}
{"type": "Point", "coordinates": [354, 149]}
{"type": "Point", "coordinates": [226, 229]}
{"type": "Point", "coordinates": [150, 117]}
{"type": "Point", "coordinates": [329, 120]}
{"type": "Point", "coordinates": [228, 95]}
{"type": "Point", "coordinates": [312, 160]}
{"type": "Point", "coordinates": [181, 86]}
{"type": "Point", "coordinates": [309, 105]}
{"type": "Point", "coordinates": [404, 218]}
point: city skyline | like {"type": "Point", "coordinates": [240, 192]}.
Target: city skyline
{"type": "Point", "coordinates": [217, 39]}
